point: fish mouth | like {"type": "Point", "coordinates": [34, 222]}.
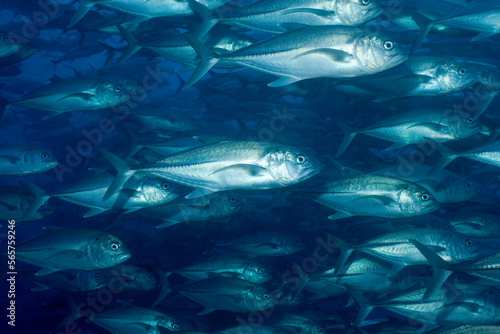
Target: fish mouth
{"type": "Point", "coordinates": [122, 257]}
{"type": "Point", "coordinates": [399, 58]}
{"type": "Point", "coordinates": [374, 12]}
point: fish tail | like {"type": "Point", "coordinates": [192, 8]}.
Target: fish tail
{"type": "Point", "coordinates": [163, 274]}
{"type": "Point", "coordinates": [364, 304]}
{"type": "Point", "coordinates": [345, 252]}
{"type": "Point", "coordinates": [209, 19]}
{"type": "Point", "coordinates": [40, 198]}
{"type": "Point", "coordinates": [208, 60]}
{"type": "Point", "coordinates": [133, 44]}
{"type": "Point", "coordinates": [84, 8]}
{"type": "Point", "coordinates": [439, 269]}
{"type": "Point", "coordinates": [349, 135]}
{"type": "Point", "coordinates": [447, 156]}
{"type": "Point", "coordinates": [74, 313]}
{"type": "Point", "coordinates": [425, 25]}
{"type": "Point", "coordinates": [123, 173]}
{"type": "Point", "coordinates": [134, 145]}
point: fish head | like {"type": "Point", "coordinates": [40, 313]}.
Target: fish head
{"type": "Point", "coordinates": [461, 248]}
{"type": "Point", "coordinates": [135, 278]}
{"type": "Point", "coordinates": [38, 160]}
{"type": "Point", "coordinates": [258, 299]}
{"type": "Point", "coordinates": [11, 44]}
{"type": "Point", "coordinates": [416, 200]}
{"type": "Point", "coordinates": [492, 303]}
{"type": "Point", "coordinates": [291, 244]}
{"type": "Point", "coordinates": [226, 204]}
{"type": "Point", "coordinates": [93, 279]}
{"type": "Point", "coordinates": [462, 125]}
{"type": "Point", "coordinates": [356, 12]}
{"type": "Point", "coordinates": [107, 250]}
{"type": "Point", "coordinates": [113, 92]}
{"type": "Point", "coordinates": [288, 165]}
{"type": "Point", "coordinates": [453, 75]}
{"type": "Point", "coordinates": [377, 52]}
{"type": "Point", "coordinates": [169, 323]}
{"type": "Point", "coordinates": [257, 273]}
{"type": "Point", "coordinates": [158, 191]}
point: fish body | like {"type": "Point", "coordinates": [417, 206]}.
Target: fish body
{"type": "Point", "coordinates": [21, 160]}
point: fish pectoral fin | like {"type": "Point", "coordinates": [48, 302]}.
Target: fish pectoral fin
{"type": "Point", "coordinates": [383, 200]}
{"type": "Point", "coordinates": [145, 328]}
{"type": "Point", "coordinates": [269, 244]}
{"type": "Point", "coordinates": [396, 146]}
{"type": "Point", "coordinates": [167, 223]}
{"type": "Point", "coordinates": [283, 81]}
{"type": "Point", "coordinates": [483, 35]}
{"type": "Point", "coordinates": [40, 287]}
{"type": "Point", "coordinates": [200, 192]}
{"type": "Point", "coordinates": [333, 54]}
{"type": "Point", "coordinates": [250, 170]}
{"type": "Point", "coordinates": [71, 254]}
{"type": "Point", "coordinates": [10, 159]}
{"type": "Point", "coordinates": [433, 126]}
{"type": "Point", "coordinates": [8, 206]}
{"type": "Point", "coordinates": [46, 271]}
{"type": "Point", "coordinates": [339, 215]}
{"type": "Point", "coordinates": [396, 268]}
{"type": "Point", "coordinates": [82, 96]}
{"type": "Point", "coordinates": [93, 212]}
{"type": "Point", "coordinates": [317, 12]}
{"type": "Point", "coordinates": [290, 26]}
{"type": "Point", "coordinates": [453, 307]}
{"type": "Point", "coordinates": [206, 310]}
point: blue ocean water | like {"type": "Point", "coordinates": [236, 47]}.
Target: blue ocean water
{"type": "Point", "coordinates": [249, 166]}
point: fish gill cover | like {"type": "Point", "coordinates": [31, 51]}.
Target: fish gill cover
{"type": "Point", "coordinates": [256, 167]}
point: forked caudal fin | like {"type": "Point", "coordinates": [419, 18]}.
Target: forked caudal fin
{"type": "Point", "coordinates": [425, 25]}
{"type": "Point", "coordinates": [84, 8]}
{"type": "Point", "coordinates": [123, 172]}
{"type": "Point", "coordinates": [208, 60]}
{"type": "Point", "coordinates": [447, 156]}
{"type": "Point", "coordinates": [209, 18]}
{"type": "Point", "coordinates": [349, 135]}
{"type": "Point", "coordinates": [40, 198]}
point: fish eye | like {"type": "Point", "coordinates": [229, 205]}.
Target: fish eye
{"type": "Point", "coordinates": [261, 270]}
{"type": "Point", "coordinates": [469, 243]}
{"type": "Point", "coordinates": [45, 155]}
{"type": "Point", "coordinates": [468, 184]}
{"type": "Point", "coordinates": [118, 89]}
{"type": "Point", "coordinates": [462, 71]}
{"type": "Point", "coordinates": [425, 197]}
{"type": "Point", "coordinates": [301, 159]}
{"type": "Point", "coordinates": [165, 186]}
{"type": "Point", "coordinates": [151, 278]}
{"type": "Point", "coordinates": [320, 330]}
{"type": "Point", "coordinates": [114, 246]}
{"type": "Point", "coordinates": [231, 199]}
{"type": "Point", "coordinates": [175, 326]}
{"type": "Point", "coordinates": [265, 296]}
{"type": "Point", "coordinates": [388, 45]}
{"type": "Point", "coordinates": [7, 38]}
{"type": "Point", "coordinates": [98, 276]}
{"type": "Point", "coordinates": [470, 120]}
{"type": "Point", "coordinates": [365, 2]}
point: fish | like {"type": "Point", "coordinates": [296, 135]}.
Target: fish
{"type": "Point", "coordinates": [226, 165]}
{"type": "Point", "coordinates": [245, 269]}
{"type": "Point", "coordinates": [15, 201]}
{"type": "Point", "coordinates": [231, 294]}
{"type": "Point", "coordinates": [479, 17]}
{"type": "Point", "coordinates": [14, 49]}
{"type": "Point", "coordinates": [277, 16]}
{"type": "Point", "coordinates": [290, 55]}
{"type": "Point", "coordinates": [72, 249]}
{"type": "Point", "coordinates": [129, 319]}
{"type": "Point", "coordinates": [265, 244]}
{"type": "Point", "coordinates": [148, 9]}
{"type": "Point", "coordinates": [80, 94]}
{"type": "Point", "coordinates": [413, 127]}
{"type": "Point", "coordinates": [372, 195]}
{"type": "Point", "coordinates": [25, 160]}
{"type": "Point", "coordinates": [139, 192]}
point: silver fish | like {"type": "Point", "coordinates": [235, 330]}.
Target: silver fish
{"type": "Point", "coordinates": [65, 249]}
{"type": "Point", "coordinates": [20, 160]}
